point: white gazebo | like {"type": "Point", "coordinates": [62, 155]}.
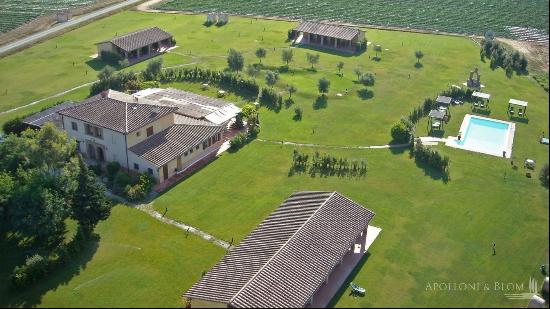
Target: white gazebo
{"type": "Point", "coordinates": [522, 107]}
{"type": "Point", "coordinates": [483, 97]}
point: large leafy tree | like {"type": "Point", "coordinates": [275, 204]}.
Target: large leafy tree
{"type": "Point", "coordinates": [153, 70]}
{"type": "Point", "coordinates": [235, 60]}
{"type": "Point", "coordinates": [39, 206]}
{"type": "Point", "coordinates": [89, 203]}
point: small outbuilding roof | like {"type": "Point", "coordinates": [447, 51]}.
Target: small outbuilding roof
{"type": "Point", "coordinates": [48, 115]}
{"type": "Point", "coordinates": [333, 31]}
{"type": "Point", "coordinates": [172, 142]}
{"type": "Point", "coordinates": [437, 114]}
{"type": "Point", "coordinates": [137, 39]}
{"type": "Point", "coordinates": [481, 95]}
{"type": "Point", "coordinates": [443, 100]}
{"type": "Point", "coordinates": [284, 261]}
{"type": "Point", "coordinates": [518, 102]}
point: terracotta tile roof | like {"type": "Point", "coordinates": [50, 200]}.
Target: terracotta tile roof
{"type": "Point", "coordinates": [122, 116]}
{"type": "Point", "coordinates": [140, 38]}
{"type": "Point", "coordinates": [333, 31]}
{"type": "Point", "coordinates": [288, 256]}
{"type": "Point", "coordinates": [172, 142]}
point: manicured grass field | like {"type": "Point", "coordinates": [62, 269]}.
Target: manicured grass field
{"type": "Point", "coordinates": [432, 231]}
{"type": "Point", "coordinates": [137, 262]}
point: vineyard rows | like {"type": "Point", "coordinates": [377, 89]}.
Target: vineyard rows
{"type": "Point", "coordinates": [14, 13]}
{"type": "Point", "coordinates": [456, 16]}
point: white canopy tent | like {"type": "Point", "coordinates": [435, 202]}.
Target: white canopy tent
{"type": "Point", "coordinates": [520, 104]}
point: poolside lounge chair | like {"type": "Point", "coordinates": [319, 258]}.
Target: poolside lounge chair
{"type": "Point", "coordinates": [355, 289]}
{"type": "Point", "coordinates": [436, 124]}
{"type": "Point", "coordinates": [511, 111]}
{"type": "Point", "coordinates": [476, 104]}
{"type": "Point", "coordinates": [482, 104]}
{"type": "Point", "coordinates": [520, 113]}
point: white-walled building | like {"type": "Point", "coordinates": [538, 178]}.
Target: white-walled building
{"type": "Point", "coordinates": [145, 135]}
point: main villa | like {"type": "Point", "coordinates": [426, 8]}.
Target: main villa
{"type": "Point", "coordinates": [155, 131]}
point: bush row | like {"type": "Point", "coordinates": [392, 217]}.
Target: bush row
{"type": "Point", "coordinates": [225, 79]}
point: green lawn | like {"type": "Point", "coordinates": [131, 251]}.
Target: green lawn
{"type": "Point", "coordinates": [432, 231]}
{"type": "Point", "coordinates": [138, 262]}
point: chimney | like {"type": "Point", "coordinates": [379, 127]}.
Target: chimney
{"type": "Point", "coordinates": [155, 111]}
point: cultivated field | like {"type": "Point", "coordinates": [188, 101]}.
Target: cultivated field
{"type": "Point", "coordinates": [432, 231]}
{"type": "Point", "coordinates": [14, 13]}
{"type": "Point", "coordinates": [456, 16]}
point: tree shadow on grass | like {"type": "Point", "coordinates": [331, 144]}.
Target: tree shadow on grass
{"type": "Point", "coordinates": [520, 119]}
{"type": "Point", "coordinates": [418, 65]}
{"type": "Point", "coordinates": [365, 94]}
{"type": "Point", "coordinates": [62, 274]}
{"type": "Point", "coordinates": [340, 293]}
{"type": "Point", "coordinates": [330, 51]}
{"type": "Point", "coordinates": [320, 102]}
{"type": "Point", "coordinates": [433, 173]}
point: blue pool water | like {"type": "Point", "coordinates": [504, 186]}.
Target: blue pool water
{"type": "Point", "coordinates": [485, 135]}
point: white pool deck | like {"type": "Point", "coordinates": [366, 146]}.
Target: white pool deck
{"type": "Point", "coordinates": [452, 140]}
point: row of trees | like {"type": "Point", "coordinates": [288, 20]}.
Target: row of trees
{"type": "Point", "coordinates": [500, 56]}
{"type": "Point", "coordinates": [43, 182]}
{"type": "Point", "coordinates": [327, 165]}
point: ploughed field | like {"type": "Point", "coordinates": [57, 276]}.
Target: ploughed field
{"type": "Point", "coordinates": [14, 13]}
{"type": "Point", "coordinates": [456, 16]}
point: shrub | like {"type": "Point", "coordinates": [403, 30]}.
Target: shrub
{"type": "Point", "coordinates": [140, 190]}
{"type": "Point", "coordinates": [248, 109]}
{"type": "Point", "coordinates": [297, 114]}
{"type": "Point", "coordinates": [401, 132]}
{"type": "Point", "coordinates": [544, 175]}
{"type": "Point", "coordinates": [361, 46]}
{"type": "Point", "coordinates": [120, 182]}
{"type": "Point", "coordinates": [367, 79]}
{"type": "Point", "coordinates": [238, 141]}
{"type": "Point", "coordinates": [112, 169]}
{"type": "Point", "coordinates": [238, 124]}
{"type": "Point", "coordinates": [291, 34]}
{"type": "Point", "coordinates": [153, 70]}
{"type": "Point", "coordinates": [97, 169]}
{"type": "Point", "coordinates": [14, 126]}
{"type": "Point", "coordinates": [35, 267]}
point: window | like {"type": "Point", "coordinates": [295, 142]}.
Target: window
{"type": "Point", "coordinates": [191, 150]}
{"type": "Point", "coordinates": [150, 171]}
{"type": "Point", "coordinates": [74, 126]}
{"type": "Point", "coordinates": [93, 131]}
{"type": "Point", "coordinates": [197, 147]}
{"type": "Point", "coordinates": [138, 133]}
{"type": "Point", "coordinates": [136, 166]}
{"type": "Point", "coordinates": [149, 131]}
{"type": "Point", "coordinates": [185, 154]}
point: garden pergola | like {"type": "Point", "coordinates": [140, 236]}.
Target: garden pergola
{"type": "Point", "coordinates": [438, 116]}
{"type": "Point", "coordinates": [520, 104]}
{"type": "Point", "coordinates": [484, 97]}
{"type": "Point", "coordinates": [443, 103]}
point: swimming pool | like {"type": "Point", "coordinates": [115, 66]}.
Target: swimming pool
{"type": "Point", "coordinates": [485, 135]}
